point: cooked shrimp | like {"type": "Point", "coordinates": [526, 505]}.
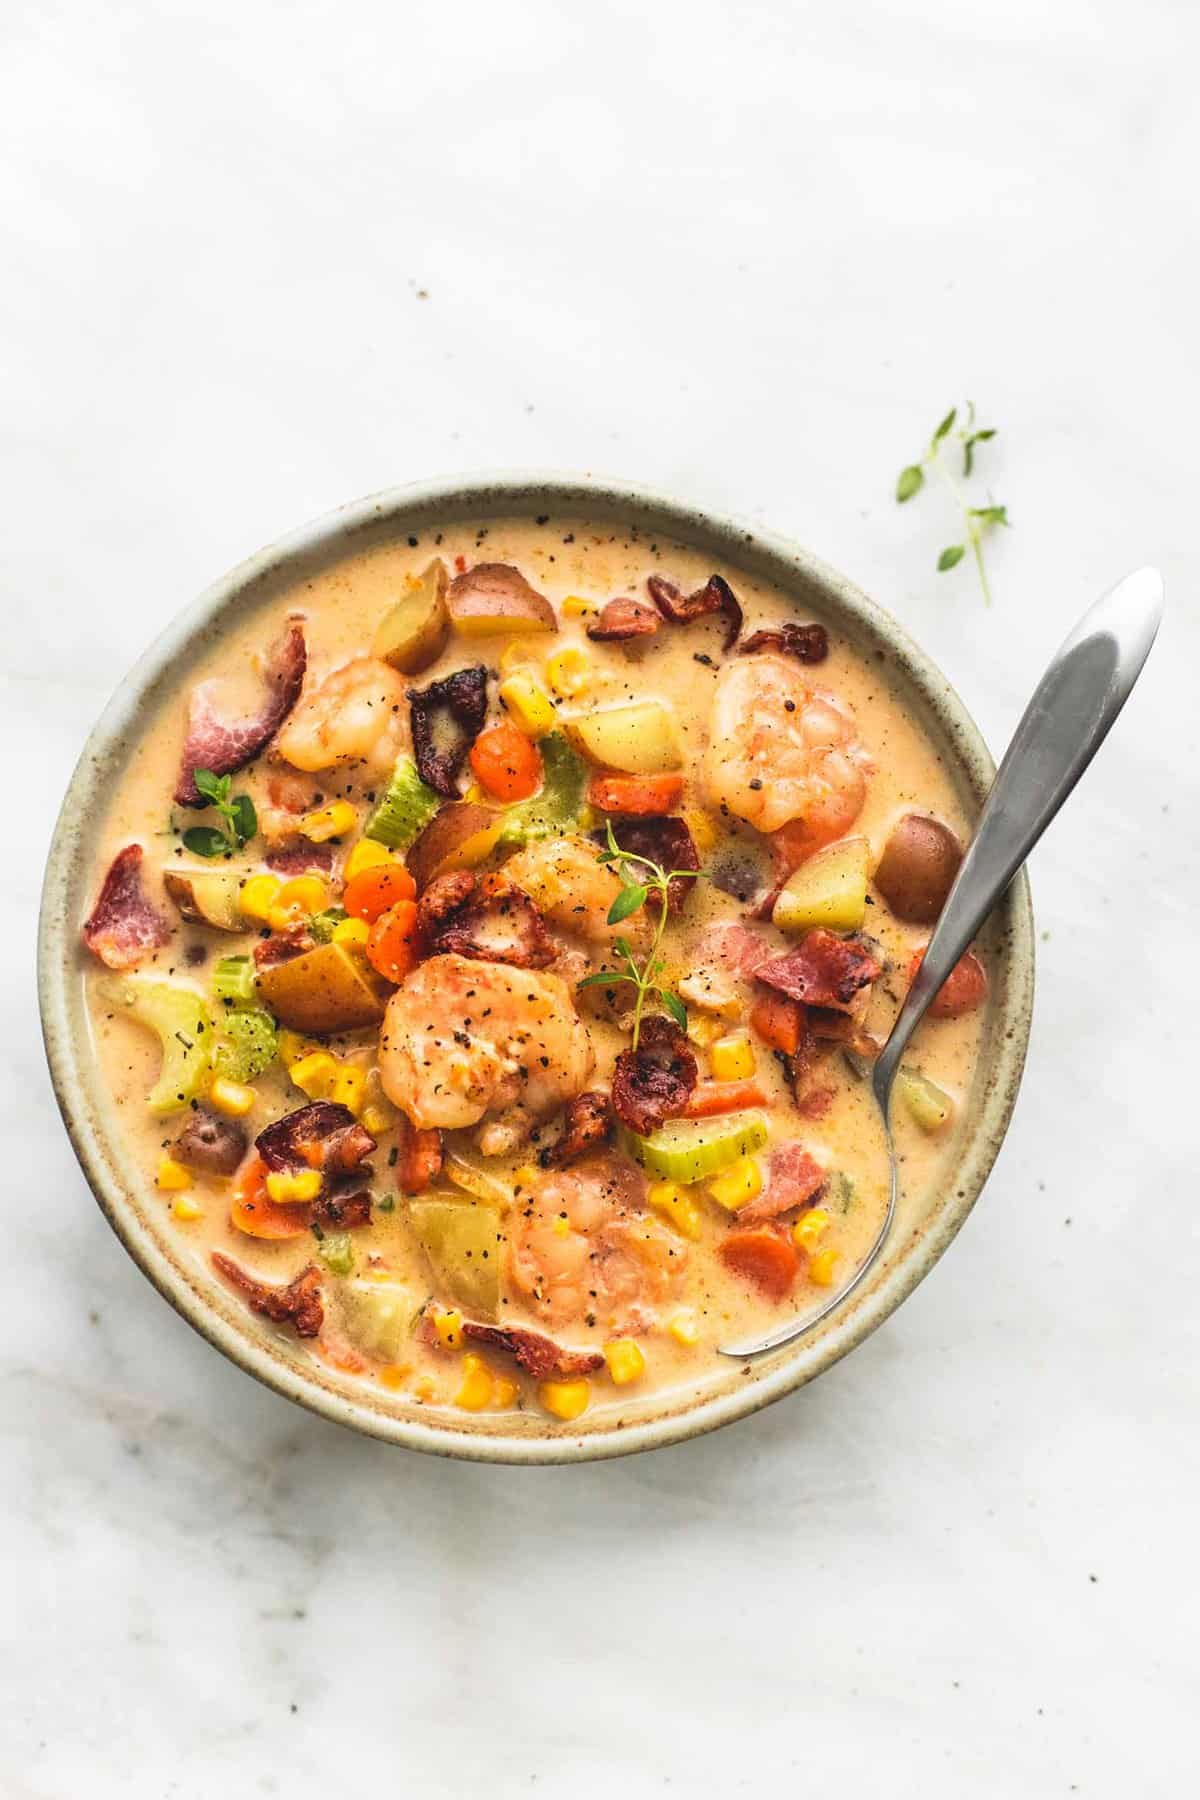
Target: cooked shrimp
{"type": "Point", "coordinates": [358, 713]}
{"type": "Point", "coordinates": [581, 1247]}
{"type": "Point", "coordinates": [573, 889]}
{"type": "Point", "coordinates": [461, 1039]}
{"type": "Point", "coordinates": [782, 753]}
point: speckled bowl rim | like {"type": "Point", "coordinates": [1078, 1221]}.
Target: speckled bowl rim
{"type": "Point", "coordinates": [246, 1340]}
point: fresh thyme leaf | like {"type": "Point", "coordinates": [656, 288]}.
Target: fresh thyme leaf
{"type": "Point", "coordinates": [243, 818]}
{"type": "Point", "coordinates": [674, 1006]}
{"type": "Point", "coordinates": [213, 787]}
{"type": "Point", "coordinates": [206, 840]}
{"type": "Point", "coordinates": [626, 902]}
{"type": "Point", "coordinates": [621, 946]}
{"type": "Point", "coordinates": [238, 817]}
{"type": "Point", "coordinates": [976, 519]}
{"type": "Point", "coordinates": [991, 515]}
{"type": "Point", "coordinates": [951, 556]}
{"type": "Point", "coordinates": [910, 482]}
{"type": "Point", "coordinates": [944, 427]}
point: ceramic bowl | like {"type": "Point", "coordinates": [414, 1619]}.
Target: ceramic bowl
{"type": "Point", "coordinates": [733, 1389]}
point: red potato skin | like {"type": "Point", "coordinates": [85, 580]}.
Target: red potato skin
{"type": "Point", "coordinates": [917, 869]}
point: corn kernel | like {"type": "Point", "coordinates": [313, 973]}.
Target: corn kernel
{"type": "Point", "coordinates": [315, 1074]}
{"type": "Point", "coordinates": [576, 607]}
{"type": "Point", "coordinates": [477, 1385]}
{"type": "Point", "coordinates": [561, 1226]}
{"type": "Point", "coordinates": [187, 1210]}
{"type": "Point", "coordinates": [352, 931]}
{"type": "Point", "coordinates": [702, 827]}
{"type": "Point", "coordinates": [676, 1206]}
{"type": "Point", "coordinates": [376, 1120]}
{"type": "Point", "coordinates": [528, 705]}
{"type": "Point", "coordinates": [625, 1361]}
{"type": "Point", "coordinates": [257, 896]}
{"type": "Point", "coordinates": [703, 1032]}
{"type": "Point", "coordinates": [424, 1388]}
{"type": "Point", "coordinates": [350, 1088]}
{"type": "Point", "coordinates": [172, 1177]}
{"type": "Point", "coordinates": [567, 671]}
{"type": "Point", "coordinates": [394, 1375]}
{"type": "Point", "coordinates": [526, 1176]}
{"type": "Point", "coordinates": [327, 822]}
{"type": "Point", "coordinates": [504, 1391]}
{"type": "Point", "coordinates": [821, 1267]}
{"type": "Point", "coordinates": [732, 1057]}
{"type": "Point", "coordinates": [565, 1399]}
{"type": "Point", "coordinates": [366, 854]}
{"type": "Point", "coordinates": [684, 1329]}
{"type": "Point", "coordinates": [287, 1187]}
{"type": "Point", "coordinates": [738, 1185]}
{"type": "Point", "coordinates": [232, 1098]}
{"type": "Point", "coordinates": [810, 1228]}
{"type": "Point", "coordinates": [448, 1326]}
{"type": "Point", "coordinates": [297, 899]}
{"type": "Point", "coordinates": [292, 1046]}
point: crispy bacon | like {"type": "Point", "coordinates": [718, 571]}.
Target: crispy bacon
{"type": "Point", "coordinates": [322, 1135]}
{"type": "Point", "coordinates": [294, 859]}
{"type": "Point", "coordinates": [666, 841]}
{"type": "Point", "coordinates": [223, 745]}
{"type": "Point", "coordinates": [420, 1158]}
{"type": "Point", "coordinates": [807, 643]}
{"type": "Point", "coordinates": [123, 926]}
{"type": "Point", "coordinates": [463, 696]}
{"type": "Point", "coordinates": [823, 970]}
{"type": "Point", "coordinates": [680, 609]}
{"type": "Point", "coordinates": [343, 1211]}
{"type": "Point", "coordinates": [298, 1304]}
{"type": "Point", "coordinates": [655, 1081]}
{"type": "Point", "coordinates": [622, 619]}
{"type": "Point", "coordinates": [794, 1178]}
{"type": "Point", "coordinates": [587, 1124]}
{"type": "Point", "coordinates": [539, 1356]}
{"type": "Point", "coordinates": [485, 917]}
{"type": "Point", "coordinates": [283, 946]}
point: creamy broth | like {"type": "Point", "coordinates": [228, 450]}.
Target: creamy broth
{"type": "Point", "coordinates": [708, 1302]}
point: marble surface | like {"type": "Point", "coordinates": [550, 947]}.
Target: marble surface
{"type": "Point", "coordinates": [258, 261]}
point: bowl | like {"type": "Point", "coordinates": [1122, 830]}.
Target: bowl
{"type": "Point", "coordinates": [735, 1388]}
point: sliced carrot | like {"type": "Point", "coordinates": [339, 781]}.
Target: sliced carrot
{"type": "Point", "coordinates": [762, 1257]}
{"type": "Point", "coordinates": [341, 1356]}
{"type": "Point", "coordinates": [372, 891]}
{"type": "Point", "coordinates": [420, 1160]}
{"type": "Point", "coordinates": [506, 764]}
{"type": "Point", "coordinates": [963, 990]}
{"type": "Point", "coordinates": [711, 1097]}
{"type": "Point", "coordinates": [635, 793]}
{"type": "Point", "coordinates": [779, 1021]}
{"type": "Point", "coordinates": [253, 1211]}
{"type": "Point", "coordinates": [392, 945]}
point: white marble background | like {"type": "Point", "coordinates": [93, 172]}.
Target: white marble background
{"type": "Point", "coordinates": [256, 260]}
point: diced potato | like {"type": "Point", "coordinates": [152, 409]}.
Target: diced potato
{"type": "Point", "coordinates": [929, 1105]}
{"type": "Point", "coordinates": [331, 988]}
{"type": "Point", "coordinates": [378, 1315]}
{"type": "Point", "coordinates": [493, 598]}
{"type": "Point", "coordinates": [205, 897]}
{"type": "Point", "coordinates": [641, 739]}
{"type": "Point", "coordinates": [413, 633]}
{"type": "Point", "coordinates": [461, 1238]}
{"type": "Point", "coordinates": [830, 890]}
{"type": "Point", "coordinates": [460, 836]}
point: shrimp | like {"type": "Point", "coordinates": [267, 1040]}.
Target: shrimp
{"type": "Point", "coordinates": [573, 889]}
{"type": "Point", "coordinates": [582, 1249]}
{"type": "Point", "coordinates": [358, 713]}
{"type": "Point", "coordinates": [782, 754]}
{"type": "Point", "coordinates": [461, 1039]}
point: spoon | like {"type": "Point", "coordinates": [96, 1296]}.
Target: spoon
{"type": "Point", "coordinates": [1071, 713]}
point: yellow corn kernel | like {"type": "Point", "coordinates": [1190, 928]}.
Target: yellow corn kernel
{"type": "Point", "coordinates": [172, 1177]}
{"type": "Point", "coordinates": [232, 1098]}
{"type": "Point", "coordinates": [448, 1326]}
{"type": "Point", "coordinates": [810, 1228]}
{"type": "Point", "coordinates": [684, 1329]}
{"type": "Point", "coordinates": [700, 824]}
{"type": "Point", "coordinates": [424, 1388]}
{"type": "Point", "coordinates": [519, 653]}
{"type": "Point", "coordinates": [257, 896]}
{"type": "Point", "coordinates": [332, 821]}
{"type": "Point", "coordinates": [352, 931]}
{"type": "Point", "coordinates": [187, 1210]}
{"type": "Point", "coordinates": [821, 1267]}
{"type": "Point", "coordinates": [504, 1391]}
{"type": "Point", "coordinates": [315, 1074]}
{"type": "Point", "coordinates": [292, 1046]}
{"type": "Point", "coordinates": [576, 607]}
{"type": "Point", "coordinates": [528, 705]}
{"type": "Point", "coordinates": [477, 1385]}
{"type": "Point", "coordinates": [287, 1187]}
{"type": "Point", "coordinates": [565, 1399]}
{"type": "Point", "coordinates": [366, 854]}
{"type": "Point", "coordinates": [703, 1032]}
{"type": "Point", "coordinates": [567, 671]}
{"type": "Point", "coordinates": [350, 1088]}
{"type": "Point", "coordinates": [376, 1120]}
{"type": "Point", "coordinates": [732, 1057]}
{"type": "Point", "coordinates": [297, 899]}
{"type": "Point", "coordinates": [738, 1186]}
{"type": "Point", "coordinates": [676, 1206]}
{"type": "Point", "coordinates": [561, 1226]}
{"type": "Point", "coordinates": [526, 1176]}
{"type": "Point", "coordinates": [625, 1361]}
{"type": "Point", "coordinates": [394, 1375]}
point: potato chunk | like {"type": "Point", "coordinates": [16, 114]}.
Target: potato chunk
{"type": "Point", "coordinates": [324, 990]}
{"type": "Point", "coordinates": [461, 1238]}
{"type": "Point", "coordinates": [642, 739]}
{"type": "Point", "coordinates": [829, 889]}
{"type": "Point", "coordinates": [413, 633]}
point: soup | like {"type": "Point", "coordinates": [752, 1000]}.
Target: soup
{"type": "Point", "coordinates": [489, 952]}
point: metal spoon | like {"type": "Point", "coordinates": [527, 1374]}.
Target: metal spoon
{"type": "Point", "coordinates": [1072, 710]}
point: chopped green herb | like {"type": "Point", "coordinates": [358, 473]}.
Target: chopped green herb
{"type": "Point", "coordinates": [977, 519]}
{"type": "Point", "coordinates": [239, 821]}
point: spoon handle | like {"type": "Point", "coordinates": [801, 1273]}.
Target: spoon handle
{"type": "Point", "coordinates": [1072, 710]}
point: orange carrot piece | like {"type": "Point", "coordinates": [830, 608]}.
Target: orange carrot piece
{"type": "Point", "coordinates": [253, 1211]}
{"type": "Point", "coordinates": [636, 794]}
{"type": "Point", "coordinates": [963, 990]}
{"type": "Point", "coordinates": [371, 893]}
{"type": "Point", "coordinates": [420, 1160]}
{"type": "Point", "coordinates": [392, 945]}
{"type": "Point", "coordinates": [711, 1097]}
{"type": "Point", "coordinates": [505, 763]}
{"type": "Point", "coordinates": [762, 1257]}
{"type": "Point", "coordinates": [779, 1021]}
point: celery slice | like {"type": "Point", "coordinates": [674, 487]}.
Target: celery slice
{"type": "Point", "coordinates": [183, 1025]}
{"type": "Point", "coordinates": [687, 1150]}
{"type": "Point", "coordinates": [928, 1105]}
{"type": "Point", "coordinates": [405, 809]}
{"type": "Point", "coordinates": [323, 924]}
{"type": "Point", "coordinates": [248, 1044]}
{"type": "Point", "coordinates": [336, 1251]}
{"type": "Point", "coordinates": [233, 980]}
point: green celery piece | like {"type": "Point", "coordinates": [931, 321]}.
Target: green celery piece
{"type": "Point", "coordinates": [233, 980]}
{"type": "Point", "coordinates": [248, 1044]}
{"type": "Point", "coordinates": [556, 809]}
{"type": "Point", "coordinates": [405, 810]}
{"type": "Point", "coordinates": [182, 1023]}
{"type": "Point", "coordinates": [337, 1252]}
{"type": "Point", "coordinates": [687, 1150]}
{"type": "Point", "coordinates": [322, 924]}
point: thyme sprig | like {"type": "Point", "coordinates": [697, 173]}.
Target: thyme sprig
{"type": "Point", "coordinates": [639, 884]}
{"type": "Point", "coordinates": [977, 520]}
{"type": "Point", "coordinates": [236, 812]}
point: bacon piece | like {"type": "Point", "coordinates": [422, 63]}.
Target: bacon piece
{"type": "Point", "coordinates": [807, 643]}
{"type": "Point", "coordinates": [539, 1356]}
{"type": "Point", "coordinates": [814, 1103]}
{"type": "Point", "coordinates": [223, 745]}
{"type": "Point", "coordinates": [587, 1124]}
{"type": "Point", "coordinates": [322, 1135]}
{"type": "Point", "coordinates": [283, 946]}
{"type": "Point", "coordinates": [298, 1304]}
{"type": "Point", "coordinates": [665, 840]}
{"type": "Point", "coordinates": [464, 696]}
{"type": "Point", "coordinates": [823, 970]}
{"type": "Point", "coordinates": [680, 609]}
{"type": "Point", "coordinates": [344, 1211]}
{"type": "Point", "coordinates": [485, 917]}
{"type": "Point", "coordinates": [294, 859]}
{"type": "Point", "coordinates": [794, 1178]}
{"type": "Point", "coordinates": [420, 1160]}
{"type": "Point", "coordinates": [622, 619]}
{"type": "Point", "coordinates": [123, 926]}
{"type": "Point", "coordinates": [655, 1081]}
